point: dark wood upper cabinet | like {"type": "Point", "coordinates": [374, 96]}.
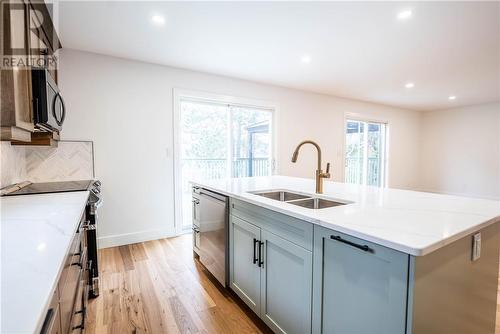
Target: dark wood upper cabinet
{"type": "Point", "coordinates": [27, 34]}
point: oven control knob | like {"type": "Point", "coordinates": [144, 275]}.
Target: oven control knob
{"type": "Point", "coordinates": [95, 190]}
{"type": "Point", "coordinates": [97, 183]}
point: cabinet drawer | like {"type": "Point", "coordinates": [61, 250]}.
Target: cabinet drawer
{"type": "Point", "coordinates": [289, 228]}
{"type": "Point", "coordinates": [52, 322]}
{"type": "Point", "coordinates": [68, 294]}
{"type": "Point", "coordinates": [74, 250]}
{"type": "Point", "coordinates": [80, 307]}
{"type": "Point", "coordinates": [71, 276]}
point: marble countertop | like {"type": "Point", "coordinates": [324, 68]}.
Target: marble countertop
{"type": "Point", "coordinates": [412, 222]}
{"type": "Point", "coordinates": [36, 231]}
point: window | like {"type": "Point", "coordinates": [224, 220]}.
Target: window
{"type": "Point", "coordinates": [220, 140]}
{"type": "Point", "coordinates": [365, 153]}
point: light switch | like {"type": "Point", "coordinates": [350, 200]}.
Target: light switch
{"type": "Point", "coordinates": [476, 246]}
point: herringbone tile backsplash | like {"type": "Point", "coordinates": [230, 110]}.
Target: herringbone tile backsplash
{"type": "Point", "coordinates": [70, 160]}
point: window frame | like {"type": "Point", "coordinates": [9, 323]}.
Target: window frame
{"type": "Point", "coordinates": [367, 119]}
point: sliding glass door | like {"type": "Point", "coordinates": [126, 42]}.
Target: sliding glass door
{"type": "Point", "coordinates": [251, 141]}
{"type": "Point", "coordinates": [365, 153]}
{"type": "Point", "coordinates": [218, 140]}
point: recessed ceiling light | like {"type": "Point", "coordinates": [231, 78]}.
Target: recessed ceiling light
{"type": "Point", "coordinates": [409, 85]}
{"type": "Point", "coordinates": [305, 59]}
{"type": "Point", "coordinates": [158, 19]}
{"type": "Point", "coordinates": [452, 97]}
{"type": "Point", "coordinates": [41, 246]}
{"type": "Point", "coordinates": [405, 14]}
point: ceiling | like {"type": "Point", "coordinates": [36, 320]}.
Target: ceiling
{"type": "Point", "coordinates": [357, 50]}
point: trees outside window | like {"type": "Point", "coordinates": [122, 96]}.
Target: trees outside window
{"type": "Point", "coordinates": [365, 153]}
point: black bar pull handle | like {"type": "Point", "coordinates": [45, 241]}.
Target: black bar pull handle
{"type": "Point", "coordinates": [261, 262]}
{"type": "Point", "coordinates": [254, 251]}
{"type": "Point", "coordinates": [350, 243]}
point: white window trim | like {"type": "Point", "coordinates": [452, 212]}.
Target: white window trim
{"type": "Point", "coordinates": [179, 94]}
{"type": "Point", "coordinates": [367, 118]}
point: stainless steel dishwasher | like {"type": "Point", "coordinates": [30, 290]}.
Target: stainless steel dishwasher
{"type": "Point", "coordinates": [211, 232]}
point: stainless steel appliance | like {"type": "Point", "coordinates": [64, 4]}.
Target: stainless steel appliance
{"type": "Point", "coordinates": [210, 232]}
{"type": "Point", "coordinates": [49, 110]}
{"type": "Point", "coordinates": [93, 203]}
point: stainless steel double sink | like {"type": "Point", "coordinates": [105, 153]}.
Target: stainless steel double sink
{"type": "Point", "coordinates": [299, 199]}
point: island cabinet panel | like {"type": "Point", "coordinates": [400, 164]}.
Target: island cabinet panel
{"type": "Point", "coordinates": [244, 270]}
{"type": "Point", "coordinates": [450, 292]}
{"type": "Point", "coordinates": [295, 230]}
{"type": "Point", "coordinates": [270, 270]}
{"type": "Point", "coordinates": [286, 281]}
{"type": "Point", "coordinates": [359, 287]}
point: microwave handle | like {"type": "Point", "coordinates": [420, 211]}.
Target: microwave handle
{"type": "Point", "coordinates": [59, 121]}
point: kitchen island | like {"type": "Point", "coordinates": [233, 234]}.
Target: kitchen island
{"type": "Point", "coordinates": [378, 261]}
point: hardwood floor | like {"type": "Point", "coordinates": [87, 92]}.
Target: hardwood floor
{"type": "Point", "coordinates": [157, 287]}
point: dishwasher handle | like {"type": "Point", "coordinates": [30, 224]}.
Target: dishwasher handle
{"type": "Point", "coordinates": [204, 192]}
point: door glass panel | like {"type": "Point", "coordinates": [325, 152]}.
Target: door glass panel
{"type": "Point", "coordinates": [203, 150]}
{"type": "Point", "coordinates": [354, 152]}
{"type": "Point", "coordinates": [365, 153]}
{"type": "Point", "coordinates": [251, 144]}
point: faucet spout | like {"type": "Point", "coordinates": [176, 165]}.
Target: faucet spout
{"type": "Point", "coordinates": [319, 173]}
{"type": "Point", "coordinates": [296, 152]}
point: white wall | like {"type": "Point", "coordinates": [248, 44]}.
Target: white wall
{"type": "Point", "coordinates": [460, 151]}
{"type": "Point", "coordinates": [126, 106]}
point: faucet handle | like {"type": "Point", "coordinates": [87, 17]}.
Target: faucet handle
{"type": "Point", "coordinates": [326, 175]}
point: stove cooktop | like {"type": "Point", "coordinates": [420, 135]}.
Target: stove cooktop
{"type": "Point", "coordinates": [52, 187]}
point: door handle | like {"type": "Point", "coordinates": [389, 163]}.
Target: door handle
{"type": "Point", "coordinates": [254, 251]}
{"type": "Point", "coordinates": [261, 262]}
{"type": "Point", "coordinates": [350, 243]}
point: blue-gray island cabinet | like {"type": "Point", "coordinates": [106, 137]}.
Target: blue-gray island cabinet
{"type": "Point", "coordinates": [360, 287]}
{"type": "Point", "coordinates": [299, 277]}
{"type": "Point", "coordinates": [270, 260]}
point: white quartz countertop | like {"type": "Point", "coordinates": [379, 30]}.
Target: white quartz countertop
{"type": "Point", "coordinates": [36, 231]}
{"type": "Point", "coordinates": [415, 223]}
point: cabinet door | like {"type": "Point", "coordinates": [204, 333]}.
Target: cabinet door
{"type": "Point", "coordinates": [42, 41]}
{"type": "Point", "coordinates": [15, 104]}
{"type": "Point", "coordinates": [357, 291]}
{"type": "Point", "coordinates": [244, 273]}
{"type": "Point", "coordinates": [286, 283]}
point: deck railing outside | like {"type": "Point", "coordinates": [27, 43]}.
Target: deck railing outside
{"type": "Point", "coordinates": [203, 169]}
{"type": "Point", "coordinates": [217, 168]}
{"type": "Point", "coordinates": [353, 171]}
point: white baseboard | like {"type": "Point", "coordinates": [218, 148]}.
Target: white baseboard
{"type": "Point", "coordinates": [132, 238]}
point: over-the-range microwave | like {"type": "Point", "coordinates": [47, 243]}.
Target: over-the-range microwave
{"type": "Point", "coordinates": [49, 110]}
